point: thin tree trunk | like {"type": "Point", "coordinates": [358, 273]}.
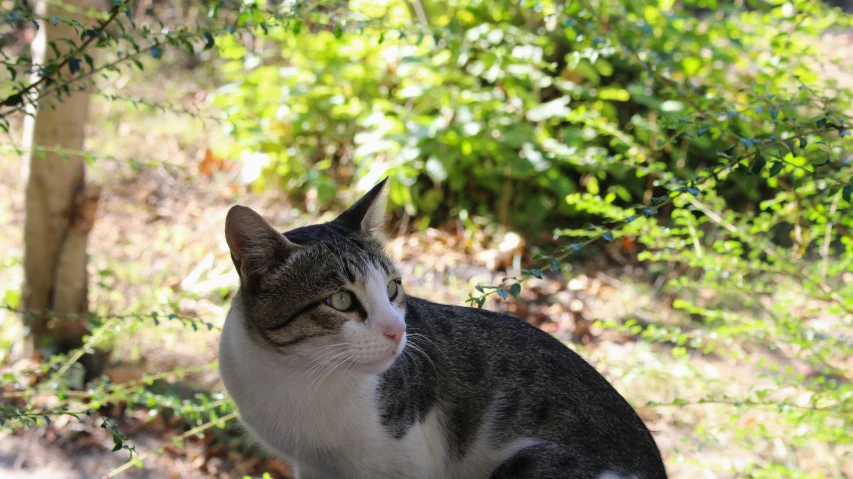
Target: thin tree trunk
{"type": "Point", "coordinates": [60, 207]}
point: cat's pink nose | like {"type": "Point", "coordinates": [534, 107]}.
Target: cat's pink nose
{"type": "Point", "coordinates": [395, 332]}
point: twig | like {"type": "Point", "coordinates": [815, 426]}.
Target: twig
{"type": "Point", "coordinates": [92, 37]}
{"type": "Point", "coordinates": [115, 472]}
{"type": "Point", "coordinates": [828, 235]}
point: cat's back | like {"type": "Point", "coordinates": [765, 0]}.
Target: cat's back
{"type": "Point", "coordinates": [501, 379]}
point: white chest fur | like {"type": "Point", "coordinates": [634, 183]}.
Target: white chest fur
{"type": "Point", "coordinates": [332, 428]}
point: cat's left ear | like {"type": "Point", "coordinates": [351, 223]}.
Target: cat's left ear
{"type": "Point", "coordinates": [368, 213]}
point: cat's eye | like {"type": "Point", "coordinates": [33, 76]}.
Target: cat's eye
{"type": "Point", "coordinates": [342, 301]}
{"type": "Point", "coordinates": [393, 286]}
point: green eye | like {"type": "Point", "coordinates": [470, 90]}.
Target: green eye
{"type": "Point", "coordinates": [342, 300]}
{"type": "Point", "coordinates": [392, 289]}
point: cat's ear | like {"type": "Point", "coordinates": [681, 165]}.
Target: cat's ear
{"type": "Point", "coordinates": [368, 213]}
{"type": "Point", "coordinates": [255, 245]}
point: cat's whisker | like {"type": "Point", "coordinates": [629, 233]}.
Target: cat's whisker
{"type": "Point", "coordinates": [319, 348]}
{"type": "Point", "coordinates": [416, 334]}
{"type": "Point", "coordinates": [426, 356]}
{"type": "Point", "coordinates": [412, 360]}
{"type": "Point", "coordinates": [325, 366]}
{"type": "Point", "coordinates": [335, 365]}
{"type": "Point", "coordinates": [318, 363]}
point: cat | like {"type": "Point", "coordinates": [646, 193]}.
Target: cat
{"type": "Point", "coordinates": [336, 369]}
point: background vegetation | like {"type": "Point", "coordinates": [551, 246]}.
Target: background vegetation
{"type": "Point", "coordinates": [680, 172]}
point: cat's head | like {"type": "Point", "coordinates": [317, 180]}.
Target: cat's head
{"type": "Point", "coordinates": [321, 293]}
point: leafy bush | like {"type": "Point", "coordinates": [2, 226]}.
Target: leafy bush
{"type": "Point", "coordinates": [539, 101]}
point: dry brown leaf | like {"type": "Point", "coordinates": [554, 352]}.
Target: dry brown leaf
{"type": "Point", "coordinates": [211, 163]}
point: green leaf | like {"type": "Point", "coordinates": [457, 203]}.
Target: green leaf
{"type": "Point", "coordinates": [847, 193]}
{"type": "Point", "coordinates": [13, 100]}
{"type": "Point", "coordinates": [515, 289]}
{"type": "Point", "coordinates": [209, 42]}
{"type": "Point", "coordinates": [757, 163]}
{"type": "Point", "coordinates": [776, 168]}
{"type": "Point", "coordinates": [502, 293]}
{"type": "Point", "coordinates": [74, 66]}
{"type": "Point", "coordinates": [338, 31]}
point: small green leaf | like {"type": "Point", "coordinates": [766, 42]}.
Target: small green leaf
{"type": "Point", "coordinates": [502, 293]}
{"type": "Point", "coordinates": [776, 168]}
{"type": "Point", "coordinates": [515, 289]}
{"type": "Point", "coordinates": [297, 27]}
{"type": "Point", "coordinates": [209, 42]}
{"type": "Point", "coordinates": [847, 193]}
{"type": "Point", "coordinates": [757, 163]}
{"type": "Point", "coordinates": [13, 100]}
{"type": "Point", "coordinates": [741, 168]}
{"type": "Point", "coordinates": [74, 66]}
{"type": "Point", "coordinates": [338, 31]}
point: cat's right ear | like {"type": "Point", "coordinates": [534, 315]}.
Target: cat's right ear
{"type": "Point", "coordinates": [255, 245]}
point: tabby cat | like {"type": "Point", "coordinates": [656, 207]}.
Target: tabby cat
{"type": "Point", "coordinates": [336, 369]}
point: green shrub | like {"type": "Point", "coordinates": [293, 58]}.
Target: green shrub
{"type": "Point", "coordinates": [533, 102]}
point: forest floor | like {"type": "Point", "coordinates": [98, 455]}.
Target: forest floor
{"type": "Point", "coordinates": [158, 245]}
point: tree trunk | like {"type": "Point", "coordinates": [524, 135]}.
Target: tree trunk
{"type": "Point", "coordinates": [60, 207]}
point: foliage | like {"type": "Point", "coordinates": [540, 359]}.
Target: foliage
{"type": "Point", "coordinates": [539, 101]}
